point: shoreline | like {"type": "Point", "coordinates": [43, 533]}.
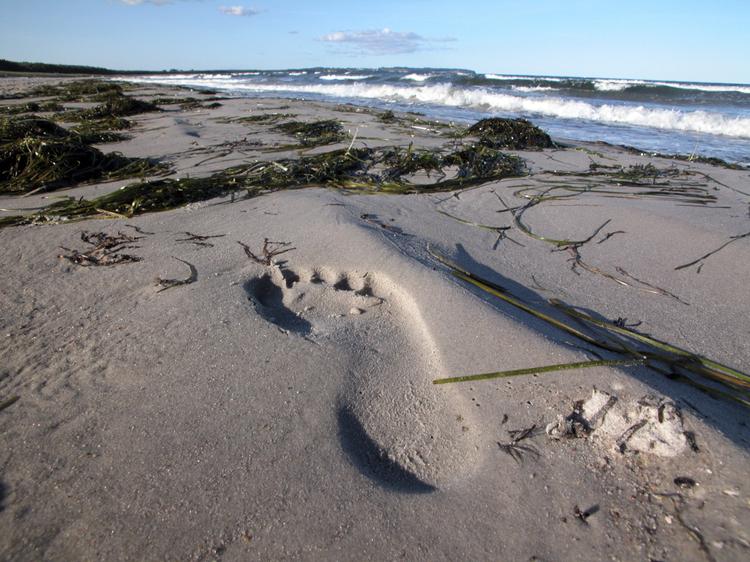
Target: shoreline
{"type": "Point", "coordinates": [239, 409]}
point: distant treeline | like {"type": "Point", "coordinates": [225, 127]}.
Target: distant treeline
{"type": "Point", "coordinates": [41, 67]}
{"type": "Point", "coordinates": [10, 66]}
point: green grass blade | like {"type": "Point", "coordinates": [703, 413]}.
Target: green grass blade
{"type": "Point", "coordinates": [538, 370]}
{"type": "Point", "coordinates": [619, 338]}
{"type": "Point", "coordinates": [739, 376]}
{"type": "Point", "coordinates": [501, 293]}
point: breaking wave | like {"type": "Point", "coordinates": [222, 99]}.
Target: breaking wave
{"type": "Point", "coordinates": [345, 77]}
{"type": "Point", "coordinates": [418, 77]}
{"type": "Point", "coordinates": [498, 102]}
{"type": "Point", "coordinates": [620, 84]}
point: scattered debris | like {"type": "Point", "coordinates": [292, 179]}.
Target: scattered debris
{"type": "Point", "coordinates": [104, 249]}
{"type": "Point", "coordinates": [621, 322]}
{"type": "Point", "coordinates": [685, 482]}
{"type": "Point", "coordinates": [514, 449]}
{"type": "Point", "coordinates": [690, 438]}
{"type": "Point", "coordinates": [582, 516]}
{"type": "Point", "coordinates": [169, 283]}
{"type": "Point", "coordinates": [139, 230]}
{"type": "Point", "coordinates": [199, 240]}
{"type": "Point", "coordinates": [269, 251]}
{"type": "Point", "coordinates": [649, 425]}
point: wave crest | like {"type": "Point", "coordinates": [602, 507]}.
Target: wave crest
{"type": "Point", "coordinates": [493, 101]}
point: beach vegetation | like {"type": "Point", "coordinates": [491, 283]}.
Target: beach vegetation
{"type": "Point", "coordinates": [78, 90]}
{"type": "Point", "coordinates": [114, 105]}
{"type": "Point", "coordinates": [38, 155]}
{"type": "Point", "coordinates": [316, 133]}
{"type": "Point", "coordinates": [265, 118]}
{"type": "Point", "coordinates": [626, 344]}
{"type": "Point", "coordinates": [385, 170]}
{"type": "Point", "coordinates": [387, 116]}
{"type": "Point", "coordinates": [16, 128]}
{"type": "Point", "coordinates": [100, 131]}
{"type": "Point", "coordinates": [34, 164]}
{"type": "Point", "coordinates": [515, 134]}
{"type": "Point", "coordinates": [31, 107]}
{"type": "Point", "coordinates": [188, 103]}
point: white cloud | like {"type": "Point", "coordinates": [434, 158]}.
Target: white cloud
{"type": "Point", "coordinates": [380, 41]}
{"type": "Point", "coordinates": [238, 11]}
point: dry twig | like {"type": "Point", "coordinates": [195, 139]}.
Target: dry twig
{"type": "Point", "coordinates": [514, 449]}
{"type": "Point", "coordinates": [269, 251]}
{"type": "Point", "coordinates": [104, 249]}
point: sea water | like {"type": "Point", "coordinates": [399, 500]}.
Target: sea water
{"type": "Point", "coordinates": [703, 119]}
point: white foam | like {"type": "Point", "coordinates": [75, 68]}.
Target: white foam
{"type": "Point", "coordinates": [704, 87]}
{"type": "Point", "coordinates": [510, 77]}
{"type": "Point", "coordinates": [298, 73]}
{"type": "Point", "coordinates": [616, 85]}
{"type": "Point", "coordinates": [345, 77]}
{"type": "Point", "coordinates": [418, 77]}
{"type": "Point", "coordinates": [533, 88]}
{"type": "Point", "coordinates": [488, 100]}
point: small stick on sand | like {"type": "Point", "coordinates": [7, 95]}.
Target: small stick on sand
{"type": "Point", "coordinates": [269, 251]}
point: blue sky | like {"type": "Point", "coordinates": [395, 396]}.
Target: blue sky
{"type": "Point", "coordinates": [657, 39]}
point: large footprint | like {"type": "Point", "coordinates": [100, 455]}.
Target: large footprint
{"type": "Point", "coordinates": [396, 425]}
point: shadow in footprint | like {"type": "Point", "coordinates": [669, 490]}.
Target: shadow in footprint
{"type": "Point", "coordinates": [268, 298]}
{"type": "Point", "coordinates": [365, 454]}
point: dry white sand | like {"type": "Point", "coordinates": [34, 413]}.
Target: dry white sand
{"type": "Point", "coordinates": [288, 411]}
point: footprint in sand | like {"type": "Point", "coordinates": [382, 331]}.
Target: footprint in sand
{"type": "Point", "coordinates": [394, 423]}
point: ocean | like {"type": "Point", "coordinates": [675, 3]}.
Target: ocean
{"type": "Point", "coordinates": [656, 116]}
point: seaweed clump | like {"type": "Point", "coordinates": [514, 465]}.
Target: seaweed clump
{"type": "Point", "coordinates": [188, 103]}
{"type": "Point", "coordinates": [485, 162]}
{"type": "Point", "coordinates": [269, 118]}
{"type": "Point", "coordinates": [35, 163]}
{"type": "Point", "coordinates": [87, 132]}
{"type": "Point", "coordinates": [79, 90]}
{"type": "Point", "coordinates": [16, 128]}
{"type": "Point", "coordinates": [37, 154]}
{"type": "Point", "coordinates": [99, 131]}
{"type": "Point", "coordinates": [317, 133]}
{"type": "Point", "coordinates": [514, 134]}
{"type": "Point", "coordinates": [387, 116]}
{"type": "Point", "coordinates": [116, 105]}
{"type": "Point", "coordinates": [358, 169]}
{"type": "Point", "coordinates": [30, 107]}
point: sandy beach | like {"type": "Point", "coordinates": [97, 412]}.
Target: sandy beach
{"type": "Point", "coordinates": [195, 403]}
